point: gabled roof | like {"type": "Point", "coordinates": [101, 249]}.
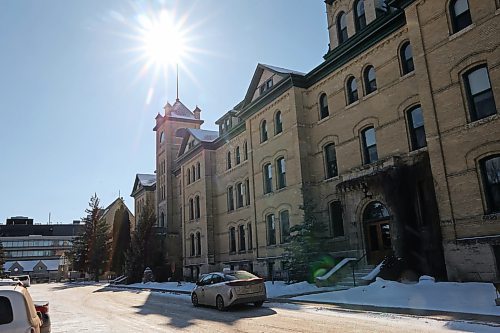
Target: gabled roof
{"type": "Point", "coordinates": [143, 180]}
{"type": "Point", "coordinates": [256, 78]}
{"type": "Point", "coordinates": [200, 135]}
{"type": "Point", "coordinates": [28, 265]}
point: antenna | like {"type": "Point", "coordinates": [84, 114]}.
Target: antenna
{"type": "Point", "coordinates": [177, 81]}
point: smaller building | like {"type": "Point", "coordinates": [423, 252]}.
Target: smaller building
{"type": "Point", "coordinates": [38, 270]}
{"type": "Point", "coordinates": [19, 220]}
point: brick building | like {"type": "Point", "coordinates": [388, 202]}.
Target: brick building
{"type": "Point", "coordinates": [394, 138]}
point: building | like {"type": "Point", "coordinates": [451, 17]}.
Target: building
{"type": "Point", "coordinates": [394, 139]}
{"type": "Point", "coordinates": [19, 220]}
{"type": "Point", "coordinates": [143, 193]}
{"type": "Point", "coordinates": [38, 249]}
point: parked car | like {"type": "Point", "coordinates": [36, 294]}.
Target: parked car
{"type": "Point", "coordinates": [24, 279]}
{"type": "Point", "coordinates": [18, 313]}
{"type": "Point", "coordinates": [229, 288]}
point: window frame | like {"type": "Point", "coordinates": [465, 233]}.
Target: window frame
{"type": "Point", "coordinates": [407, 64]}
{"type": "Point", "coordinates": [366, 149]}
{"type": "Point", "coordinates": [198, 243]}
{"type": "Point", "coordinates": [228, 161]}
{"type": "Point", "coordinates": [342, 33]}
{"type": "Point", "coordinates": [328, 173]}
{"type": "Point", "coordinates": [336, 225]}
{"type": "Point", "coordinates": [471, 105]}
{"type": "Point", "coordinates": [271, 221]}
{"type": "Point", "coordinates": [456, 26]}
{"type": "Point", "coordinates": [230, 198]}
{"type": "Point", "coordinates": [491, 207]}
{"type": "Point", "coordinates": [264, 135]}
{"type": "Point", "coordinates": [352, 95]}
{"type": "Point", "coordinates": [324, 111]}
{"type": "Point", "coordinates": [268, 178]}
{"type": "Point", "coordinates": [237, 155]}
{"type": "Point", "coordinates": [232, 240]}
{"type": "Point", "coordinates": [278, 123]}
{"type": "Point", "coordinates": [242, 238]}
{"type": "Point", "coordinates": [281, 173]}
{"type": "Point", "coordinates": [191, 209]}
{"type": "Point", "coordinates": [414, 142]}
{"type": "Point", "coordinates": [359, 17]}
{"type": "Point", "coordinates": [197, 207]}
{"type": "Point", "coordinates": [284, 236]}
{"type": "Point", "coordinates": [239, 195]}
{"type": "Point", "coordinates": [370, 85]}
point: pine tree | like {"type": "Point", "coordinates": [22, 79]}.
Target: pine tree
{"type": "Point", "coordinates": [2, 259]}
{"type": "Point", "coordinates": [121, 239]}
{"type": "Point", "coordinates": [139, 254]}
{"type": "Point", "coordinates": [306, 250]}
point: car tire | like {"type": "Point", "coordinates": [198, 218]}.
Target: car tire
{"type": "Point", "coordinates": [194, 299]}
{"type": "Point", "coordinates": [219, 303]}
{"type": "Point", "coordinates": [258, 304]}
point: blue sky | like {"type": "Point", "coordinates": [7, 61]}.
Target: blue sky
{"type": "Point", "coordinates": [75, 117]}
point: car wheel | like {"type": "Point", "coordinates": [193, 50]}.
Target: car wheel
{"type": "Point", "coordinates": [219, 302]}
{"type": "Point", "coordinates": [258, 304]}
{"type": "Point", "coordinates": [194, 299]}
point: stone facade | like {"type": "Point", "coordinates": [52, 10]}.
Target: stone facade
{"type": "Point", "coordinates": [383, 139]}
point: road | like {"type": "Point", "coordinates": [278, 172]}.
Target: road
{"type": "Point", "coordinates": [91, 308]}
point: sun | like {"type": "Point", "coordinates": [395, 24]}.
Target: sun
{"type": "Point", "coordinates": [163, 40]}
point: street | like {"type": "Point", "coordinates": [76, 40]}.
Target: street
{"type": "Point", "coordinates": [96, 308]}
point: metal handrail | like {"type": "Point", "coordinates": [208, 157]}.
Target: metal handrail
{"type": "Point", "coordinates": [353, 265]}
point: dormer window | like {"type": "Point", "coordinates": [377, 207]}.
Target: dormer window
{"type": "Point", "coordinates": [227, 124]}
{"type": "Point", "coordinates": [266, 86]}
{"type": "Point", "coordinates": [191, 144]}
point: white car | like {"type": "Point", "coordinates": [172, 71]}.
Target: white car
{"type": "Point", "coordinates": [24, 279]}
{"type": "Point", "coordinates": [18, 313]}
{"type": "Point", "coordinates": [229, 288]}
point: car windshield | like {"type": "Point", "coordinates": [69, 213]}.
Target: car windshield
{"type": "Point", "coordinates": [239, 276]}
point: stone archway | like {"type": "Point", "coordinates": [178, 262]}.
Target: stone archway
{"type": "Point", "coordinates": [377, 227]}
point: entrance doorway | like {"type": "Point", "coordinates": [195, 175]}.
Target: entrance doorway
{"type": "Point", "coordinates": [376, 220]}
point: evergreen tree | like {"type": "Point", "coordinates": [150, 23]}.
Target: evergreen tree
{"type": "Point", "coordinates": [305, 251]}
{"type": "Point", "coordinates": [90, 250]}
{"type": "Point", "coordinates": [139, 254]}
{"type": "Point", "coordinates": [121, 239]}
{"type": "Point", "coordinates": [2, 259]}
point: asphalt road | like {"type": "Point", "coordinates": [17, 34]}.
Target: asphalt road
{"type": "Point", "coordinates": [89, 308]}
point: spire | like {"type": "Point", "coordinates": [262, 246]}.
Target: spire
{"type": "Point", "coordinates": [177, 82]}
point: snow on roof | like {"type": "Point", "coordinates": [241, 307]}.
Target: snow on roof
{"type": "Point", "coordinates": [204, 135]}
{"type": "Point", "coordinates": [52, 264]}
{"type": "Point", "coordinates": [146, 179]}
{"type": "Point", "coordinates": [28, 265]}
{"type": "Point", "coordinates": [179, 110]}
{"type": "Point", "coordinates": [282, 70]}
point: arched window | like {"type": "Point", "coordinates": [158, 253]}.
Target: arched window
{"type": "Point", "coordinates": [250, 241]}
{"type": "Point", "coordinates": [263, 131]}
{"type": "Point", "coordinates": [278, 125]}
{"type": "Point", "coordinates": [162, 220]}
{"type": "Point", "coordinates": [336, 220]}
{"type": "Point", "coordinates": [198, 170]}
{"type": "Point", "coordinates": [479, 93]}
{"type": "Point", "coordinates": [375, 211]}
{"type": "Point", "coordinates": [230, 199]}
{"type": "Point", "coordinates": [239, 195]}
{"type": "Point", "coordinates": [198, 243]}
{"type": "Point", "coordinates": [191, 209]}
{"type": "Point", "coordinates": [197, 207]}
{"type": "Point", "coordinates": [359, 15]}
{"type": "Point", "coordinates": [406, 56]}
{"type": "Point", "coordinates": [245, 151]}
{"type": "Point", "coordinates": [323, 106]}
{"type": "Point", "coordinates": [162, 137]}
{"type": "Point", "coordinates": [271, 229]}
{"type": "Point", "coordinates": [193, 172]}
{"type": "Point", "coordinates": [268, 178]}
{"type": "Point", "coordinates": [342, 27]}
{"type": "Point", "coordinates": [189, 175]}
{"type": "Point", "coordinates": [460, 15]}
{"type": "Point", "coordinates": [490, 169]}
{"type": "Point", "coordinates": [352, 90]}
{"type": "Point", "coordinates": [330, 161]}
{"type": "Point", "coordinates": [247, 192]}
{"type": "Point", "coordinates": [238, 155]}
{"type": "Point", "coordinates": [416, 127]}
{"type": "Point", "coordinates": [241, 233]}
{"type": "Point", "coordinates": [369, 145]}
{"type": "Point", "coordinates": [193, 244]}
{"type": "Point", "coordinates": [370, 80]}
{"type": "Point", "coordinates": [281, 168]}
{"type": "Point", "coordinates": [232, 239]}
{"type": "Point", "coordinates": [228, 160]}
{"type": "Point", "coordinates": [285, 226]}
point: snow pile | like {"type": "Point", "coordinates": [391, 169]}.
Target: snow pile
{"type": "Point", "coordinates": [472, 297]}
{"type": "Point", "coordinates": [170, 286]}
{"type": "Point", "coordinates": [279, 288]}
{"type": "Point", "coordinates": [373, 274]}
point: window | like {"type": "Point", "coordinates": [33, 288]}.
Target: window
{"type": "Point", "coordinates": [416, 125]}
{"type": "Point", "coordinates": [245, 151]}
{"type": "Point", "coordinates": [369, 145]}
{"type": "Point", "coordinates": [198, 170]}
{"type": "Point", "coordinates": [406, 56]}
{"type": "Point", "coordinates": [331, 161]}
{"type": "Point", "coordinates": [370, 80]}
{"type": "Point", "coordinates": [479, 93]}
{"type": "Point", "coordinates": [266, 86]}
{"type": "Point", "coordinates": [278, 125]}
{"type": "Point", "coordinates": [162, 137]}
{"type": "Point", "coordinates": [230, 200]}
{"type": "Point", "coordinates": [359, 15]}
{"type": "Point", "coordinates": [191, 209]}
{"type": "Point", "coordinates": [239, 195]}
{"type": "Point", "coordinates": [336, 220]}
{"type": "Point", "coordinates": [232, 239]}
{"type": "Point", "coordinates": [280, 166]}
{"type": "Point", "coordinates": [285, 226]}
{"type": "Point", "coordinates": [250, 241]}
{"type": "Point", "coordinates": [228, 160]}
{"type": "Point", "coordinates": [197, 207]}
{"type": "Point", "coordinates": [193, 244]}
{"type": "Point", "coordinates": [460, 15]}
{"type": "Point", "coordinates": [189, 176]}
{"type": "Point", "coordinates": [491, 182]}
{"type": "Point", "coordinates": [198, 243]}
{"type": "Point", "coordinates": [241, 232]}
{"type": "Point", "coordinates": [323, 106]}
{"type": "Point", "coordinates": [162, 220]}
{"type": "Point", "coordinates": [6, 313]}
{"type": "Point", "coordinates": [247, 192]}
{"type": "Point", "coordinates": [342, 28]}
{"type": "Point", "coordinates": [352, 90]}
{"type": "Point", "coordinates": [263, 131]}
{"type": "Point", "coordinates": [271, 230]}
{"type": "Point", "coordinates": [238, 156]}
{"type": "Point", "coordinates": [268, 178]}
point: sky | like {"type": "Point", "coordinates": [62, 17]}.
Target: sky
{"type": "Point", "coordinates": [79, 91]}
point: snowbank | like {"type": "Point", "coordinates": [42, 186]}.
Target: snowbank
{"type": "Point", "coordinates": [472, 297]}
{"type": "Point", "coordinates": [170, 286]}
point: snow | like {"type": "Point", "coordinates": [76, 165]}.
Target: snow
{"type": "Point", "coordinates": [335, 269]}
{"type": "Point", "coordinates": [282, 70]}
{"type": "Point", "coordinates": [204, 135]}
{"type": "Point", "coordinates": [146, 179]}
{"type": "Point", "coordinates": [170, 286]}
{"type": "Point", "coordinates": [471, 297]}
